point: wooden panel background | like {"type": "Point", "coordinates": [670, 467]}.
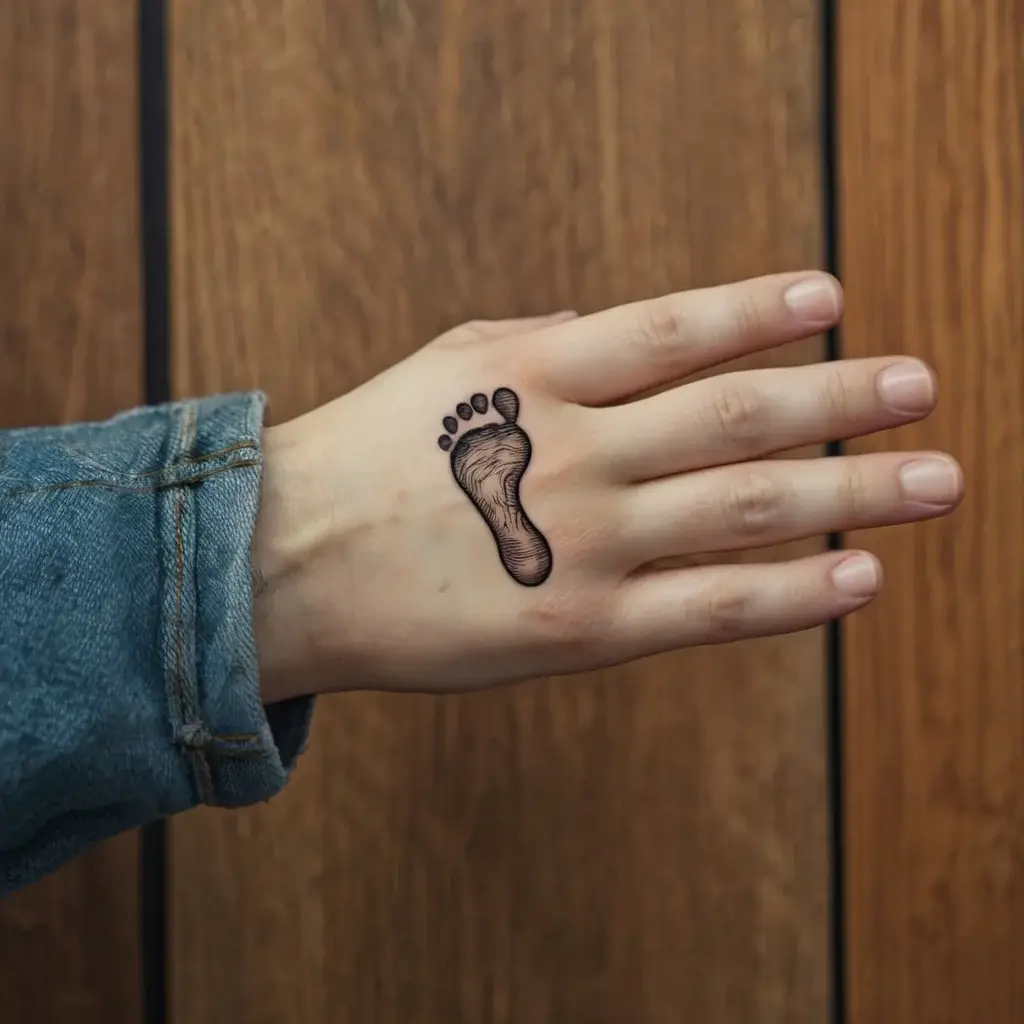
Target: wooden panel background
{"type": "Point", "coordinates": [70, 349]}
{"type": "Point", "coordinates": [932, 116]}
{"type": "Point", "coordinates": [350, 178]}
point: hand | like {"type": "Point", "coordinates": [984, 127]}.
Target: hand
{"type": "Point", "coordinates": [500, 505]}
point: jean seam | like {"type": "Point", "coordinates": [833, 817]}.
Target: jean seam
{"type": "Point", "coordinates": [202, 747]}
{"type": "Point", "coordinates": [201, 770]}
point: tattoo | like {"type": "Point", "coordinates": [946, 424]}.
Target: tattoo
{"type": "Point", "coordinates": [488, 461]}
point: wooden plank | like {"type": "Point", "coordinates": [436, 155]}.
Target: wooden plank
{"type": "Point", "coordinates": [932, 103]}
{"type": "Point", "coordinates": [350, 179]}
{"type": "Point", "coordinates": [70, 347]}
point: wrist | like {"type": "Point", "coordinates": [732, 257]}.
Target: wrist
{"type": "Point", "coordinates": [285, 541]}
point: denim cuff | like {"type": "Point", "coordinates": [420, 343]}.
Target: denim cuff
{"type": "Point", "coordinates": [237, 751]}
{"type": "Point", "coordinates": [129, 677]}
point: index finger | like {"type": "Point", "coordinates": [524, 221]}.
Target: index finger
{"type": "Point", "coordinates": [612, 355]}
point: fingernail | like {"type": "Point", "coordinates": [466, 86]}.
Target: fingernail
{"type": "Point", "coordinates": [907, 387]}
{"type": "Point", "coordinates": [814, 301]}
{"type": "Point", "coordinates": [933, 481]}
{"type": "Point", "coordinates": [857, 576]}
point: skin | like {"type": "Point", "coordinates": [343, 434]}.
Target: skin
{"type": "Point", "coordinates": [379, 574]}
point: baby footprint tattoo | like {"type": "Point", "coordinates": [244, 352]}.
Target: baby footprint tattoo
{"type": "Point", "coordinates": [488, 461]}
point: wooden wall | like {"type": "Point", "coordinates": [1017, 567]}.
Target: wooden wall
{"type": "Point", "coordinates": [350, 179]}
{"type": "Point", "coordinates": [69, 350]}
{"type": "Point", "coordinates": [649, 845]}
{"type": "Point", "coordinates": [932, 159]}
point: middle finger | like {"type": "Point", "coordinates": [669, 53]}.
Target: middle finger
{"type": "Point", "coordinates": [745, 415]}
{"type": "Point", "coordinates": [766, 503]}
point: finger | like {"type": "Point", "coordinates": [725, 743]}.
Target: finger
{"type": "Point", "coordinates": [621, 352]}
{"type": "Point", "coordinates": [519, 325]}
{"type": "Point", "coordinates": [746, 415]}
{"type": "Point", "coordinates": [762, 503]}
{"type": "Point", "coordinates": [669, 609]}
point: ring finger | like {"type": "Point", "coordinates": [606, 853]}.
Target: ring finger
{"type": "Point", "coordinates": [762, 503]}
{"type": "Point", "coordinates": [749, 414]}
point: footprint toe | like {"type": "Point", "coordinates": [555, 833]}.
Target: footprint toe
{"type": "Point", "coordinates": [479, 402]}
{"type": "Point", "coordinates": [451, 424]}
{"type": "Point", "coordinates": [444, 442]}
{"type": "Point", "coordinates": [506, 402]}
{"type": "Point", "coordinates": [463, 410]}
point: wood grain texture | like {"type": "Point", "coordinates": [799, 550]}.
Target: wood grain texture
{"type": "Point", "coordinates": [351, 178]}
{"type": "Point", "coordinates": [932, 109]}
{"type": "Point", "coordinates": [70, 349]}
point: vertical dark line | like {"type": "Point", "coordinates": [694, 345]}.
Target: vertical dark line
{"type": "Point", "coordinates": [153, 923]}
{"type": "Point", "coordinates": [155, 231]}
{"type": "Point", "coordinates": [153, 114]}
{"type": "Point", "coordinates": [834, 642]}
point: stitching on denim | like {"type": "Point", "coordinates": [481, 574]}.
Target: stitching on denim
{"type": "Point", "coordinates": [188, 710]}
{"type": "Point", "coordinates": [203, 750]}
{"type": "Point", "coordinates": [241, 446]}
{"type": "Point", "coordinates": [196, 739]}
{"type": "Point", "coordinates": [201, 767]}
{"type": "Point", "coordinates": [196, 736]}
{"type": "Point", "coordinates": [121, 489]}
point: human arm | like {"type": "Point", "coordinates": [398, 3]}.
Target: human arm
{"type": "Point", "coordinates": [514, 500]}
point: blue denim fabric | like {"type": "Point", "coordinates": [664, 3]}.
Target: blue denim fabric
{"type": "Point", "coordinates": [129, 684]}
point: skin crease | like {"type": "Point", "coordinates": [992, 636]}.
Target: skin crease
{"type": "Point", "coordinates": [378, 571]}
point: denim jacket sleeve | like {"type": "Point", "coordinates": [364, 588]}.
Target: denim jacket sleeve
{"type": "Point", "coordinates": [129, 684]}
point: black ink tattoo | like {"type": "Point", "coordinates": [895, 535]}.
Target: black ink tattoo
{"type": "Point", "coordinates": [488, 463]}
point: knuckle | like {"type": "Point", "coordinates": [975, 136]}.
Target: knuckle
{"type": "Point", "coordinates": [853, 493]}
{"type": "Point", "coordinates": [569, 626]}
{"type": "Point", "coordinates": [566, 464]}
{"type": "Point", "coordinates": [754, 506]}
{"type": "Point", "coordinates": [729, 614]}
{"type": "Point", "coordinates": [837, 394]}
{"type": "Point", "coordinates": [521, 359]}
{"type": "Point", "coordinates": [662, 327]}
{"type": "Point", "coordinates": [749, 316]}
{"type": "Point", "coordinates": [585, 541]}
{"type": "Point", "coordinates": [737, 413]}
